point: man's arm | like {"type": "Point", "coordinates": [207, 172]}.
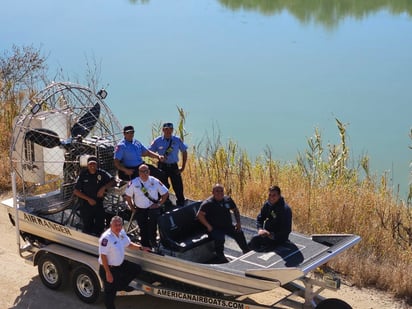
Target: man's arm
{"type": "Point", "coordinates": [201, 216]}
{"type": "Point", "coordinates": [154, 155]}
{"type": "Point", "coordinates": [105, 263]}
{"type": "Point", "coordinates": [103, 189]}
{"type": "Point", "coordinates": [184, 160]}
{"type": "Point", "coordinates": [83, 196]}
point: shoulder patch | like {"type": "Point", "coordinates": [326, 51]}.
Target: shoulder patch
{"type": "Point", "coordinates": [104, 242]}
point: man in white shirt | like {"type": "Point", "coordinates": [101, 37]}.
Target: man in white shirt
{"type": "Point", "coordinates": [144, 195]}
{"type": "Point", "coordinates": [116, 272]}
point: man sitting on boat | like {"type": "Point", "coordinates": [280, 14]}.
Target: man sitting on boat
{"type": "Point", "coordinates": [214, 214]}
{"type": "Point", "coordinates": [274, 222]}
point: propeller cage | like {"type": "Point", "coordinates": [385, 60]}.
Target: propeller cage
{"type": "Point", "coordinates": [56, 128]}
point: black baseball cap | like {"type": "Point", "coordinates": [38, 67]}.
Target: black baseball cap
{"type": "Point", "coordinates": [128, 129]}
{"type": "Point", "coordinates": [168, 125]}
{"type": "Point", "coordinates": [91, 159]}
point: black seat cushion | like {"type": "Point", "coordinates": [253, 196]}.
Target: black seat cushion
{"type": "Point", "coordinates": [180, 230]}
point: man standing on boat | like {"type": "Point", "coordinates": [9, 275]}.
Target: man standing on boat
{"type": "Point", "coordinates": [214, 214]}
{"type": "Point", "coordinates": [90, 187]}
{"type": "Point", "coordinates": [128, 156]}
{"type": "Point", "coordinates": [169, 146]}
{"type": "Point", "coordinates": [142, 196]}
{"type": "Point", "coordinates": [274, 222]}
{"type": "Point", "coordinates": [116, 272]}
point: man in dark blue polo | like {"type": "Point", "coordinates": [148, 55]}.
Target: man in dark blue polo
{"type": "Point", "coordinates": [90, 187]}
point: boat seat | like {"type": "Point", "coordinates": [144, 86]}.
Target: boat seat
{"type": "Point", "coordinates": [180, 230]}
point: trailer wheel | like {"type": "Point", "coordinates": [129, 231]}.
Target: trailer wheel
{"type": "Point", "coordinates": [86, 284]}
{"type": "Point", "coordinates": [53, 271]}
{"type": "Point", "coordinates": [333, 303]}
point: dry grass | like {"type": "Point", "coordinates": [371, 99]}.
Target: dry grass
{"type": "Point", "coordinates": [334, 199]}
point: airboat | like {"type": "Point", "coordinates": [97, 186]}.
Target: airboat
{"type": "Point", "coordinates": [53, 136]}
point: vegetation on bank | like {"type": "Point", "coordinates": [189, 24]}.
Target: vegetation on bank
{"type": "Point", "coordinates": [326, 194]}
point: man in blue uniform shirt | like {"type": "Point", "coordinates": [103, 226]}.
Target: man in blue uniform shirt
{"type": "Point", "coordinates": [128, 155]}
{"type": "Point", "coordinates": [169, 146]}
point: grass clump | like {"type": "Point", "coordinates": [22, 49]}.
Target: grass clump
{"type": "Point", "coordinates": [326, 196]}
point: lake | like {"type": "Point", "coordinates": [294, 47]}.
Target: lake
{"type": "Point", "coordinates": [261, 73]}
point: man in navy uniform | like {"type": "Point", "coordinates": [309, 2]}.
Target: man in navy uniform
{"type": "Point", "coordinates": [90, 187]}
{"type": "Point", "coordinates": [215, 214]}
{"type": "Point", "coordinates": [274, 222]}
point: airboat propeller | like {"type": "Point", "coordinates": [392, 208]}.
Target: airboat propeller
{"type": "Point", "coordinates": [50, 139]}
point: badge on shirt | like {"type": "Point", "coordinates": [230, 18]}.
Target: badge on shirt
{"type": "Point", "coordinates": [104, 242]}
{"type": "Point", "coordinates": [273, 214]}
{"type": "Point", "coordinates": [227, 206]}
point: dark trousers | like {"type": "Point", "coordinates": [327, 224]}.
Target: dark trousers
{"type": "Point", "coordinates": [263, 244]}
{"type": "Point", "coordinates": [93, 217]}
{"type": "Point", "coordinates": [172, 171]}
{"type": "Point", "coordinates": [219, 236]}
{"type": "Point", "coordinates": [147, 221]}
{"type": "Point", "coordinates": [122, 276]}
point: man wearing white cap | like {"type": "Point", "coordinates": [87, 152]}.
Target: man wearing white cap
{"type": "Point", "coordinates": [90, 187]}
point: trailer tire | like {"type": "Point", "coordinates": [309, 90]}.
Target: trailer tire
{"type": "Point", "coordinates": [53, 271]}
{"type": "Point", "coordinates": [86, 284]}
{"type": "Point", "coordinates": [333, 303]}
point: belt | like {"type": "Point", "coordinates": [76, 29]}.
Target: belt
{"type": "Point", "coordinates": [168, 164]}
{"type": "Point", "coordinates": [112, 266]}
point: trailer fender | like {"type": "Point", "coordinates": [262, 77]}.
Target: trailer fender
{"type": "Point", "coordinates": [70, 254]}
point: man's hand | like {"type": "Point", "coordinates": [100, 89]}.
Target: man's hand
{"type": "Point", "coordinates": [91, 201]}
{"type": "Point", "coordinates": [263, 233]}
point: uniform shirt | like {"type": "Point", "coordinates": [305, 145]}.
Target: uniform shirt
{"type": "Point", "coordinates": [129, 153]}
{"type": "Point", "coordinates": [161, 144]}
{"type": "Point", "coordinates": [218, 213]}
{"type": "Point", "coordinates": [276, 219]}
{"type": "Point", "coordinates": [90, 184]}
{"type": "Point", "coordinates": [137, 192]}
{"type": "Point", "coordinates": [113, 247]}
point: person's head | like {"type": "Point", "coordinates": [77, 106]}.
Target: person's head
{"type": "Point", "coordinates": [128, 132]}
{"type": "Point", "coordinates": [92, 164]}
{"type": "Point", "coordinates": [116, 224]}
{"type": "Point", "coordinates": [274, 194]}
{"type": "Point", "coordinates": [167, 129]}
{"type": "Point", "coordinates": [144, 172]}
{"type": "Point", "coordinates": [218, 192]}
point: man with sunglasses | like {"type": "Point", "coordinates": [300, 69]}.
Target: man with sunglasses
{"type": "Point", "coordinates": [128, 155]}
{"type": "Point", "coordinates": [169, 145]}
{"type": "Point", "coordinates": [274, 222]}
{"type": "Point", "coordinates": [145, 195]}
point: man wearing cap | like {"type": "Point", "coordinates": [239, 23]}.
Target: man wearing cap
{"type": "Point", "coordinates": [169, 146]}
{"type": "Point", "coordinates": [90, 187]}
{"type": "Point", "coordinates": [128, 155]}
